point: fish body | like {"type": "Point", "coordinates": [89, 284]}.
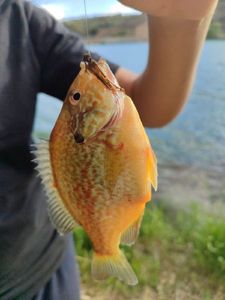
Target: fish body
{"type": "Point", "coordinates": [98, 168]}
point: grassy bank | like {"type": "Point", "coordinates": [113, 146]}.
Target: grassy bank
{"type": "Point", "coordinates": [177, 256]}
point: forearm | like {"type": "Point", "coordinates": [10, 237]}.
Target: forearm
{"type": "Point", "coordinates": [161, 91]}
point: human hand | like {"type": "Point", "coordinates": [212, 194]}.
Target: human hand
{"type": "Point", "coordinates": [185, 9]}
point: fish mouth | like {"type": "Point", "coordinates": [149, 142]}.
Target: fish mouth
{"type": "Point", "coordinates": [93, 67]}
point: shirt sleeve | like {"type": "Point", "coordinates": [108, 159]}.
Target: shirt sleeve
{"type": "Point", "coordinates": [59, 51]}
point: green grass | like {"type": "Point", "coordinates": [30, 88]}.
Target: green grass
{"type": "Point", "coordinates": [189, 244]}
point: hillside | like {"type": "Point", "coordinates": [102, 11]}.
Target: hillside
{"type": "Point", "coordinates": [133, 27]}
{"type": "Point", "coordinates": [109, 28]}
{"type": "Point", "coordinates": [220, 14]}
{"type": "Point", "coordinates": [217, 29]}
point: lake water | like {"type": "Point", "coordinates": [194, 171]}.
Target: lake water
{"type": "Point", "coordinates": [197, 136]}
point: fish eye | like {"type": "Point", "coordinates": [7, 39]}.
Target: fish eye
{"type": "Point", "coordinates": [74, 97]}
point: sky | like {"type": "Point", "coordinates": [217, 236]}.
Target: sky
{"type": "Point", "coordinates": [65, 9]}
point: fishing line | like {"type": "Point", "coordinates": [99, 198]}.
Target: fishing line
{"type": "Point", "coordinates": [86, 27]}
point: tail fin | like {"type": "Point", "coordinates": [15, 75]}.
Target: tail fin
{"type": "Point", "coordinates": [104, 266]}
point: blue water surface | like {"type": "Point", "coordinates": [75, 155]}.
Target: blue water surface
{"type": "Point", "coordinates": [197, 136]}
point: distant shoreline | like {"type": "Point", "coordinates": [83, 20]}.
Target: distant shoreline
{"type": "Point", "coordinates": [116, 40]}
{"type": "Point", "coordinates": [132, 40]}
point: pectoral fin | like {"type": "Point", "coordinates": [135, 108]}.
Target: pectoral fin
{"type": "Point", "coordinates": [130, 235]}
{"type": "Point", "coordinates": [152, 167]}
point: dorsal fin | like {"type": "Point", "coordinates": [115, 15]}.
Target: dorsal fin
{"type": "Point", "coordinates": [59, 215]}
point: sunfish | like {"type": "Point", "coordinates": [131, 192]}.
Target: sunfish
{"type": "Point", "coordinates": [98, 168]}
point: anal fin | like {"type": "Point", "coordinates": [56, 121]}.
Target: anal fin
{"type": "Point", "coordinates": [130, 235]}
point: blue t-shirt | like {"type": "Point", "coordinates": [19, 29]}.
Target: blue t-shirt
{"type": "Point", "coordinates": [37, 54]}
